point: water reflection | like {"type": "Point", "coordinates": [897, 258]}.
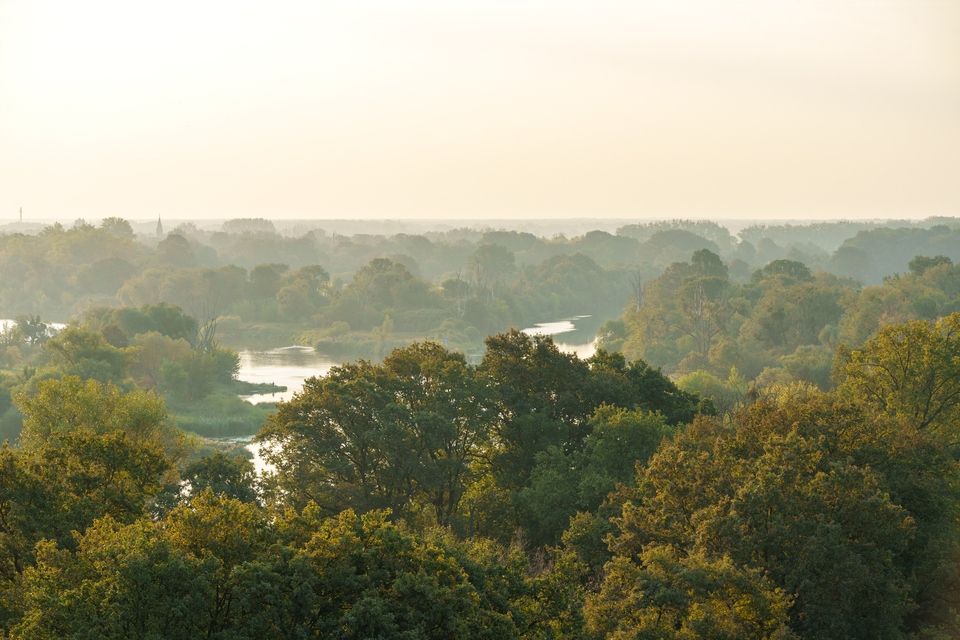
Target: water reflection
{"type": "Point", "coordinates": [287, 366]}
{"type": "Point", "coordinates": [576, 335]}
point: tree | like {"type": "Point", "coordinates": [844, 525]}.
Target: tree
{"type": "Point", "coordinates": [911, 371]}
{"type": "Point", "coordinates": [55, 487]}
{"type": "Point", "coordinates": [375, 580]}
{"type": "Point", "coordinates": [489, 265]}
{"type": "Point", "coordinates": [123, 582]}
{"type": "Point", "coordinates": [249, 225]}
{"type": "Point", "coordinates": [33, 329]}
{"type": "Point", "coordinates": [703, 302]}
{"type": "Point", "coordinates": [228, 534]}
{"type": "Point", "coordinates": [791, 269]}
{"type": "Point", "coordinates": [233, 477]}
{"type": "Point", "coordinates": [459, 290]}
{"type": "Point", "coordinates": [87, 475]}
{"type": "Point", "coordinates": [685, 312]}
{"type": "Point", "coordinates": [668, 246]}
{"type": "Point", "coordinates": [104, 277]}
{"type": "Point", "coordinates": [175, 250]}
{"type": "Point", "coordinates": [544, 437]}
{"type": "Point", "coordinates": [170, 320]}
{"type": "Point", "coordinates": [266, 280]}
{"type": "Point", "coordinates": [564, 483]}
{"type": "Point", "coordinates": [304, 293]}
{"type": "Point", "coordinates": [152, 351]}
{"type": "Point", "coordinates": [834, 506]}
{"type": "Point", "coordinates": [70, 404]}
{"type": "Point", "coordinates": [371, 436]}
{"type": "Point", "coordinates": [638, 386]}
{"type": "Point", "coordinates": [920, 264]}
{"type": "Point", "coordinates": [541, 400]}
{"type": "Point", "coordinates": [637, 289]}
{"type": "Point", "coordinates": [373, 283]}
{"type": "Point", "coordinates": [117, 226]}
{"type": "Point", "coordinates": [81, 352]}
{"type": "Point", "coordinates": [221, 569]}
{"type": "Point", "coordinates": [665, 594]}
{"type": "Point", "coordinates": [725, 395]}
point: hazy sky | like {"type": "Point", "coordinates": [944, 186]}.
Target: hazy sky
{"type": "Point", "coordinates": [507, 109]}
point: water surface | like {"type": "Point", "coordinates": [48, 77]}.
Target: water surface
{"type": "Point", "coordinates": [286, 366]}
{"type": "Point", "coordinates": [576, 335]}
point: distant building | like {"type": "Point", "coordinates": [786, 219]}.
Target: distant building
{"type": "Point", "coordinates": [159, 228]}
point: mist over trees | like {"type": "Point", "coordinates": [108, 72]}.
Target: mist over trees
{"type": "Point", "coordinates": [764, 444]}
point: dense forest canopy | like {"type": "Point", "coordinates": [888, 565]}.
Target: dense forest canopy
{"type": "Point", "coordinates": [764, 444]}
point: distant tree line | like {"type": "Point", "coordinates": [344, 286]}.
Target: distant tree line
{"type": "Point", "coordinates": [486, 279]}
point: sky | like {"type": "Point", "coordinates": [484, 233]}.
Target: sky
{"type": "Point", "coordinates": [774, 109]}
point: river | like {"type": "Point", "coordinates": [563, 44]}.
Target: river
{"type": "Point", "coordinates": [290, 366]}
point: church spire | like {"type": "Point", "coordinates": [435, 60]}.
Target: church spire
{"type": "Point", "coordinates": [159, 228]}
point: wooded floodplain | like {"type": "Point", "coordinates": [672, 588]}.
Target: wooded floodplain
{"type": "Point", "coordinates": [764, 444]}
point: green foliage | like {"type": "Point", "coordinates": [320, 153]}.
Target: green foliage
{"type": "Point", "coordinates": [673, 245]}
{"type": "Point", "coordinates": [489, 266]}
{"type": "Point", "coordinates": [175, 250]}
{"type": "Point", "coordinates": [32, 330]}
{"type": "Point", "coordinates": [793, 270]}
{"type": "Point", "coordinates": [266, 280]}
{"type": "Point", "coordinates": [541, 398]}
{"type": "Point", "coordinates": [831, 505]}
{"type": "Point", "coordinates": [117, 226]}
{"type": "Point", "coordinates": [68, 404]}
{"type": "Point", "coordinates": [870, 255]}
{"type": "Point", "coordinates": [86, 354]}
{"type": "Point", "coordinates": [912, 372]}
{"type": "Point", "coordinates": [562, 484]}
{"type": "Point", "coordinates": [704, 228]}
{"type": "Point", "coordinates": [87, 451]}
{"type": "Point", "coordinates": [693, 318]}
{"type": "Point", "coordinates": [795, 513]}
{"type": "Point", "coordinates": [304, 293]}
{"type": "Point", "coordinates": [920, 264]}
{"type": "Point", "coordinates": [248, 225]}
{"type": "Point", "coordinates": [664, 594]}
{"type": "Point", "coordinates": [218, 568]}
{"type": "Point", "coordinates": [423, 428]}
{"type": "Point", "coordinates": [233, 477]}
{"type": "Point", "coordinates": [371, 436]}
{"type": "Point", "coordinates": [124, 582]}
{"type": "Point", "coordinates": [725, 395]}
